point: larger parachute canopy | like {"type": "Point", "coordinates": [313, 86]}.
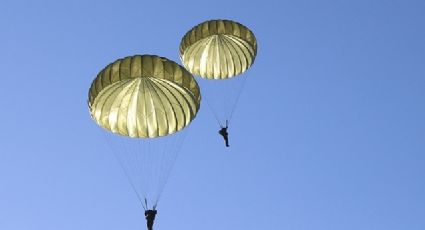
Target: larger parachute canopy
{"type": "Point", "coordinates": [144, 96]}
{"type": "Point", "coordinates": [218, 49]}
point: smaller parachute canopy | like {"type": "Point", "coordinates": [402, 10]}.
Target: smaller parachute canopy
{"type": "Point", "coordinates": [218, 49]}
{"type": "Point", "coordinates": [144, 96]}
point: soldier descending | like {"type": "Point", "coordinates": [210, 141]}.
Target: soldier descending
{"type": "Point", "coordinates": [150, 217]}
{"type": "Point", "coordinates": [223, 132]}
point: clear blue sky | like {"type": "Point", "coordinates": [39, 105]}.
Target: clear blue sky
{"type": "Point", "coordinates": [329, 133]}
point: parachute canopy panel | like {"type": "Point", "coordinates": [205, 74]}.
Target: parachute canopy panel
{"type": "Point", "coordinates": [218, 49]}
{"type": "Point", "coordinates": [144, 96]}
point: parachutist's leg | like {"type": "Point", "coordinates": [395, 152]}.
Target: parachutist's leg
{"type": "Point", "coordinates": [149, 224]}
{"type": "Point", "coordinates": [226, 139]}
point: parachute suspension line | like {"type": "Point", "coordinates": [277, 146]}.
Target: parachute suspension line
{"type": "Point", "coordinates": [145, 151]}
{"type": "Point", "coordinates": [213, 112]}
{"type": "Point", "coordinates": [237, 100]}
{"type": "Point", "coordinates": [175, 148]}
{"type": "Point", "coordinates": [138, 161]}
{"type": "Point", "coordinates": [160, 169]}
{"type": "Point", "coordinates": [143, 166]}
{"type": "Point", "coordinates": [154, 162]}
{"type": "Point", "coordinates": [138, 164]}
{"type": "Point", "coordinates": [126, 173]}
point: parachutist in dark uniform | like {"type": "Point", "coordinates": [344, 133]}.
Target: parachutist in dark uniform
{"type": "Point", "coordinates": [150, 217]}
{"type": "Point", "coordinates": [223, 132]}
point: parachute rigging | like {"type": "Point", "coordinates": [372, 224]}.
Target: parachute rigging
{"type": "Point", "coordinates": [147, 163]}
{"type": "Point", "coordinates": [148, 101]}
{"type": "Point", "coordinates": [219, 51]}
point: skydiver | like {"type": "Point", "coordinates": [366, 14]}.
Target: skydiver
{"type": "Point", "coordinates": [150, 217]}
{"type": "Point", "coordinates": [223, 132]}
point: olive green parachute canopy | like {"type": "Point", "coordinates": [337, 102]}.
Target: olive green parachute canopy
{"type": "Point", "coordinates": [144, 96]}
{"type": "Point", "coordinates": [218, 49]}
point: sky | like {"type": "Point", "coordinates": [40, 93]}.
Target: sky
{"type": "Point", "coordinates": [329, 131]}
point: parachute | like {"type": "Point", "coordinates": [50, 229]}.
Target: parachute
{"type": "Point", "coordinates": [219, 51]}
{"type": "Point", "coordinates": [148, 101]}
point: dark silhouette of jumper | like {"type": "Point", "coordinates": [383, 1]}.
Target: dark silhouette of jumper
{"type": "Point", "coordinates": [150, 217]}
{"type": "Point", "coordinates": [223, 132]}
